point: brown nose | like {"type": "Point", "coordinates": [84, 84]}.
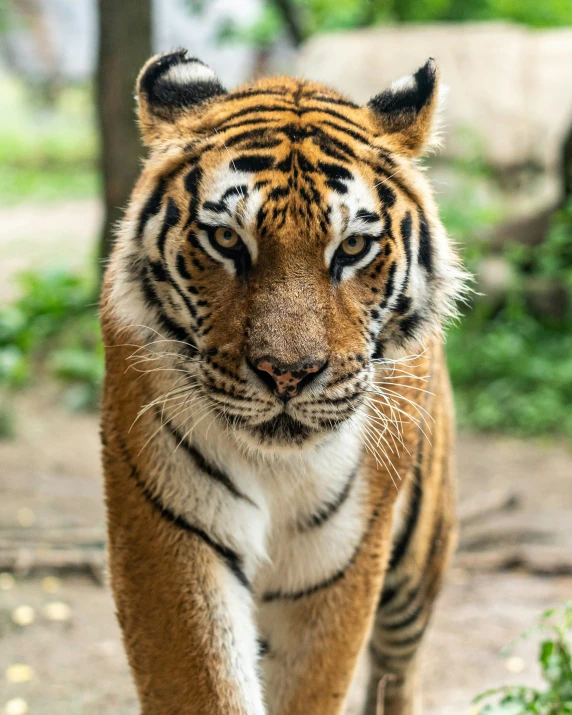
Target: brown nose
{"type": "Point", "coordinates": [287, 380]}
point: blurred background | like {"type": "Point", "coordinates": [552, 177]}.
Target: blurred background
{"type": "Point", "coordinates": [70, 153]}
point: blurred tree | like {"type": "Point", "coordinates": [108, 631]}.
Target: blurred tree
{"type": "Point", "coordinates": [125, 28]}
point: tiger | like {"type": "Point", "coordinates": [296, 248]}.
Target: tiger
{"type": "Point", "coordinates": [277, 423]}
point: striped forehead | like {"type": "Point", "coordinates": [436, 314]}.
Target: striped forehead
{"type": "Point", "coordinates": [235, 189]}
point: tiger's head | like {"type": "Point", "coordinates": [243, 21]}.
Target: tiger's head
{"type": "Point", "coordinates": [284, 240]}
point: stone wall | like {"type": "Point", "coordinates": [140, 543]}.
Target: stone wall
{"type": "Point", "coordinates": [510, 88]}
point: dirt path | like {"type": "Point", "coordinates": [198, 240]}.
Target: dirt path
{"type": "Point", "coordinates": [39, 236]}
{"type": "Point", "coordinates": [50, 475]}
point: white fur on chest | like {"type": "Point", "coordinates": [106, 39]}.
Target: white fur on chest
{"type": "Point", "coordinates": [283, 493]}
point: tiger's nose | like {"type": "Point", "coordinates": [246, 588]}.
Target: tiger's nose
{"type": "Point", "coordinates": [286, 381]}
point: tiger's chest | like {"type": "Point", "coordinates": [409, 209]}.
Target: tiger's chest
{"type": "Point", "coordinates": [316, 511]}
{"type": "Point", "coordinates": [293, 521]}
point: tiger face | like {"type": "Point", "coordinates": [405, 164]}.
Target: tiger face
{"type": "Point", "coordinates": [284, 242]}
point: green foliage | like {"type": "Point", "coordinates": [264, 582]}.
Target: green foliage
{"type": "Point", "coordinates": [53, 327]}
{"type": "Point", "coordinates": [46, 152]}
{"type": "Point", "coordinates": [511, 373]}
{"type": "Point", "coordinates": [555, 660]}
{"type": "Point", "coordinates": [511, 369]}
{"type": "Point", "coordinates": [315, 16]}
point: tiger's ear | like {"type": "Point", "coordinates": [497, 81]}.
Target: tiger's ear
{"type": "Point", "coordinates": [408, 109]}
{"type": "Point", "coordinates": [169, 86]}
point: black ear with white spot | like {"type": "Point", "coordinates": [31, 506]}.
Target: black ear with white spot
{"type": "Point", "coordinates": [171, 85]}
{"type": "Point", "coordinates": [407, 109]}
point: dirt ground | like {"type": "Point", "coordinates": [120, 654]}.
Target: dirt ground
{"type": "Point", "coordinates": [50, 481]}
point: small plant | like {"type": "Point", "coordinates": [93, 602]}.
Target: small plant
{"type": "Point", "coordinates": [555, 660]}
{"type": "Point", "coordinates": [53, 328]}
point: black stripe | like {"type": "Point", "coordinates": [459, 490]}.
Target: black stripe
{"type": "Point", "coordinates": [230, 557]}
{"type": "Point", "coordinates": [406, 226]}
{"type": "Point", "coordinates": [385, 154]}
{"type": "Point", "coordinates": [403, 607]}
{"type": "Point", "coordinates": [425, 256]}
{"type": "Point", "coordinates": [328, 510]}
{"type": "Point", "coordinates": [172, 218]}
{"type": "Point", "coordinates": [152, 207]}
{"type": "Point", "coordinates": [403, 304]}
{"type": "Point", "coordinates": [403, 642]}
{"type": "Point", "coordinates": [217, 207]}
{"type": "Point", "coordinates": [249, 93]}
{"type": "Point", "coordinates": [380, 658]}
{"type": "Point", "coordinates": [335, 172]}
{"type": "Point", "coordinates": [192, 186]}
{"type": "Point", "coordinates": [278, 192]}
{"type": "Point", "coordinates": [420, 590]}
{"type": "Point", "coordinates": [367, 216]}
{"type": "Point", "coordinates": [333, 147]}
{"type": "Point", "coordinates": [182, 295]}
{"type": "Point", "coordinates": [272, 123]}
{"type": "Point", "coordinates": [255, 109]}
{"type": "Point", "coordinates": [334, 578]}
{"type": "Point", "coordinates": [337, 186]}
{"type": "Point", "coordinates": [406, 534]}
{"type": "Point", "coordinates": [241, 191]}
{"type": "Point", "coordinates": [406, 621]}
{"type": "Point", "coordinates": [344, 130]}
{"type": "Point", "coordinates": [152, 300]}
{"type": "Point", "coordinates": [203, 464]}
{"type": "Point", "coordinates": [182, 268]}
{"type": "Point", "coordinates": [390, 592]}
{"type": "Point", "coordinates": [331, 100]}
{"type": "Point", "coordinates": [243, 136]}
{"type": "Point", "coordinates": [385, 194]}
{"type": "Point", "coordinates": [263, 647]}
{"type": "Point", "coordinates": [410, 324]}
{"type": "Point", "coordinates": [390, 285]}
{"type": "Point", "coordinates": [332, 113]}
{"type": "Point", "coordinates": [252, 163]}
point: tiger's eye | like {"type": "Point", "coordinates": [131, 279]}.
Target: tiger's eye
{"type": "Point", "coordinates": [226, 237]}
{"type": "Point", "coordinates": [353, 245]}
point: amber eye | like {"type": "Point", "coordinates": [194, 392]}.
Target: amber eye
{"type": "Point", "coordinates": [353, 245]}
{"type": "Point", "coordinates": [226, 237]}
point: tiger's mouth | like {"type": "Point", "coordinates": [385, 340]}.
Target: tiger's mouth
{"type": "Point", "coordinates": [282, 429]}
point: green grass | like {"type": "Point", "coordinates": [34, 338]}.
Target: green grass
{"type": "Point", "coordinates": [46, 152]}
{"type": "Point", "coordinates": [51, 184]}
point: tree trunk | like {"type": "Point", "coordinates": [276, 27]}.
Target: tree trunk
{"type": "Point", "coordinates": [291, 16]}
{"type": "Point", "coordinates": [124, 45]}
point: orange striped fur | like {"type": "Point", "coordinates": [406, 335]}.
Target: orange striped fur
{"type": "Point", "coordinates": [277, 425]}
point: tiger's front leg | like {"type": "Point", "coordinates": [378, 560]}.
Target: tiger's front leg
{"type": "Point", "coordinates": [313, 636]}
{"type": "Point", "coordinates": [183, 603]}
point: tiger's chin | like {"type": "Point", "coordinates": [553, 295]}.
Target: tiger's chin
{"type": "Point", "coordinates": [282, 434]}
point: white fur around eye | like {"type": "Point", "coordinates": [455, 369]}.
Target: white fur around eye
{"type": "Point", "coordinates": [349, 271]}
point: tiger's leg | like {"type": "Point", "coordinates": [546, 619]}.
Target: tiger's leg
{"type": "Point", "coordinates": [422, 546]}
{"type": "Point", "coordinates": [182, 599]}
{"type": "Point", "coordinates": [315, 635]}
